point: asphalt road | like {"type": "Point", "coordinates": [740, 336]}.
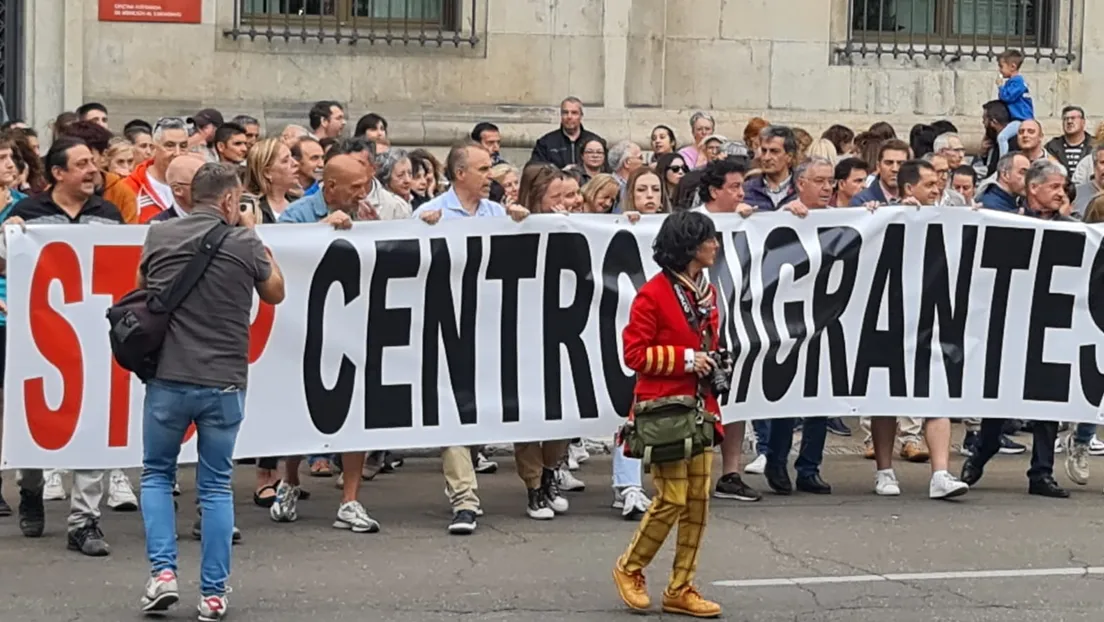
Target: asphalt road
{"type": "Point", "coordinates": [517, 569]}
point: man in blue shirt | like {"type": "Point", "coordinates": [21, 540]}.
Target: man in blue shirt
{"type": "Point", "coordinates": [9, 196]}
{"type": "Point", "coordinates": [884, 189]}
{"type": "Point", "coordinates": [1006, 193]}
{"type": "Point", "coordinates": [468, 168]}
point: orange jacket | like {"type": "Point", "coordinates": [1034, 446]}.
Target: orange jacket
{"type": "Point", "coordinates": [118, 192]}
{"type": "Point", "coordinates": [149, 203]}
{"type": "Point", "coordinates": [656, 341]}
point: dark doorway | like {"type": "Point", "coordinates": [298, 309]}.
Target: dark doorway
{"type": "Point", "coordinates": [11, 56]}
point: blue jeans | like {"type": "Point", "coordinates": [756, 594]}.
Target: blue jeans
{"type": "Point", "coordinates": [762, 436]}
{"type": "Point", "coordinates": [813, 433]}
{"type": "Point", "coordinates": [217, 413]}
{"type": "Point", "coordinates": [1007, 134]}
{"type": "Point", "coordinates": [1083, 433]}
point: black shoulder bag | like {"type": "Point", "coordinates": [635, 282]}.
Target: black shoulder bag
{"type": "Point", "coordinates": [139, 321]}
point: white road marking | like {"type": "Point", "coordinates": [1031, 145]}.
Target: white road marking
{"type": "Point", "coordinates": [914, 576]}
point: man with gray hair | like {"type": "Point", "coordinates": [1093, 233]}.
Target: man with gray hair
{"type": "Point", "coordinates": [201, 377]}
{"type": "Point", "coordinates": [777, 157]}
{"type": "Point", "coordinates": [149, 181]}
{"type": "Point", "coordinates": [1045, 198]}
{"type": "Point", "coordinates": [1006, 193]}
{"type": "Point", "coordinates": [564, 145]}
{"type": "Point", "coordinates": [949, 145]}
{"type": "Point", "coordinates": [624, 158]}
{"type": "Point", "coordinates": [251, 126]}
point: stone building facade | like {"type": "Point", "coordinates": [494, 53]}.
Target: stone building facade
{"type": "Point", "coordinates": [635, 63]}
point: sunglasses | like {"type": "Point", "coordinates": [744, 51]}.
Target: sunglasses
{"type": "Point", "coordinates": [679, 169]}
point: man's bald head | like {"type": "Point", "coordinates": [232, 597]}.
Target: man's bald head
{"type": "Point", "coordinates": [179, 175]}
{"type": "Point", "coordinates": [345, 183]}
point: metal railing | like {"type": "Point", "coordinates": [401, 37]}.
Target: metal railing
{"type": "Point", "coordinates": [407, 22]}
{"type": "Point", "coordinates": [956, 29]}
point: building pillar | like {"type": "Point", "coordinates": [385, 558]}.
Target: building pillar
{"type": "Point", "coordinates": [615, 43]}
{"type": "Point", "coordinates": [53, 61]}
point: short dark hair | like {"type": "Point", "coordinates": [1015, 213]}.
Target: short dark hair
{"type": "Point", "coordinates": [482, 126]}
{"type": "Point", "coordinates": [892, 144]}
{"type": "Point", "coordinates": [922, 139]}
{"type": "Point", "coordinates": [909, 175]}
{"type": "Point", "coordinates": [679, 238]}
{"type": "Point", "coordinates": [997, 111]}
{"type": "Point", "coordinates": [321, 111]}
{"type": "Point", "coordinates": [213, 180]}
{"type": "Point", "coordinates": [943, 126]}
{"type": "Point", "coordinates": [89, 107]}
{"type": "Point", "coordinates": [226, 131]}
{"type": "Point", "coordinates": [966, 171]}
{"type": "Point", "coordinates": [369, 121]}
{"type": "Point", "coordinates": [715, 173]}
{"type": "Point", "coordinates": [135, 124]}
{"type": "Point", "coordinates": [297, 150]}
{"type": "Point", "coordinates": [458, 157]}
{"type": "Point", "coordinates": [132, 133]}
{"type": "Point", "coordinates": [1013, 57]}
{"type": "Point", "coordinates": [58, 156]}
{"type": "Point", "coordinates": [346, 146]}
{"type": "Point", "coordinates": [789, 139]}
{"type": "Point", "coordinates": [1069, 109]}
{"type": "Point", "coordinates": [846, 166]}
{"type": "Point", "coordinates": [92, 134]}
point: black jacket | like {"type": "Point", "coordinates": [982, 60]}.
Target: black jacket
{"type": "Point", "coordinates": [555, 148]}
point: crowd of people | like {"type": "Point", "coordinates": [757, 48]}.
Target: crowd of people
{"type": "Point", "coordinates": [184, 175]}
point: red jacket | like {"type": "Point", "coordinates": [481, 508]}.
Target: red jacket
{"type": "Point", "coordinates": [149, 202]}
{"type": "Point", "coordinates": [656, 341]}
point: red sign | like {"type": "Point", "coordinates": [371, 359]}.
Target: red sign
{"type": "Point", "coordinates": [174, 11]}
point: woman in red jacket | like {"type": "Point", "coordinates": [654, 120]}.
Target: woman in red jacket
{"type": "Point", "coordinates": [671, 358]}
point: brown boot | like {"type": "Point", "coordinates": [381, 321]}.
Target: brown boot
{"type": "Point", "coordinates": [689, 602]}
{"type": "Point", "coordinates": [631, 587]}
{"type": "Point", "coordinates": [913, 452]}
{"type": "Point", "coordinates": [868, 451]}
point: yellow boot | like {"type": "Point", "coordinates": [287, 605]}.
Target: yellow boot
{"type": "Point", "coordinates": [689, 602]}
{"type": "Point", "coordinates": [632, 587]}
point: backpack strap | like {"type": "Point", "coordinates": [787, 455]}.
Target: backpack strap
{"type": "Point", "coordinates": [171, 297]}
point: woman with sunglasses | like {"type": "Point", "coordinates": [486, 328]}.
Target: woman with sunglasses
{"type": "Point", "coordinates": [671, 168]}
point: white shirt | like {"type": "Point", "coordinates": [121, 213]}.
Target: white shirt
{"type": "Point", "coordinates": [164, 191]}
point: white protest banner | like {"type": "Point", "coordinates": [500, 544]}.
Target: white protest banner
{"type": "Point", "coordinates": [401, 334]}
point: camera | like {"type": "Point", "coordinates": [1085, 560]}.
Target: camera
{"type": "Point", "coordinates": [720, 377]}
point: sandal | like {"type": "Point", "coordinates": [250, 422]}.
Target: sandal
{"type": "Point", "coordinates": [265, 502]}
{"type": "Point", "coordinates": [321, 468]}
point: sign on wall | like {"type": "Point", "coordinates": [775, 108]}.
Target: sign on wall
{"type": "Point", "coordinates": [403, 334]}
{"type": "Point", "coordinates": [170, 11]}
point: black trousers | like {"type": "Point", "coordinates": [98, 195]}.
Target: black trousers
{"type": "Point", "coordinates": [1042, 446]}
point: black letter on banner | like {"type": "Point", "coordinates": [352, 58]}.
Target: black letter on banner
{"type": "Point", "coordinates": [1092, 380]}
{"type": "Point", "coordinates": [935, 298]}
{"type": "Point", "coordinates": [564, 325]}
{"type": "Point", "coordinates": [743, 254]}
{"type": "Point", "coordinates": [329, 407]}
{"type": "Point", "coordinates": [388, 405]}
{"type": "Point", "coordinates": [837, 245]}
{"type": "Point", "coordinates": [1005, 249]}
{"type": "Point", "coordinates": [781, 247]}
{"type": "Point", "coordinates": [720, 275]}
{"type": "Point", "coordinates": [440, 319]}
{"type": "Point", "coordinates": [622, 257]}
{"type": "Point", "coordinates": [884, 348]}
{"type": "Point", "coordinates": [513, 257]}
{"type": "Point", "coordinates": [1050, 382]}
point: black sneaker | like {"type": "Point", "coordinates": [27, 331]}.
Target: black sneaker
{"type": "Point", "coordinates": [1047, 487]}
{"type": "Point", "coordinates": [463, 523]}
{"type": "Point", "coordinates": [813, 484]}
{"type": "Point", "coordinates": [730, 486]}
{"type": "Point", "coordinates": [32, 514]}
{"type": "Point", "coordinates": [778, 478]}
{"type": "Point", "coordinates": [971, 472]}
{"type": "Point", "coordinates": [969, 444]}
{"type": "Point", "coordinates": [553, 498]}
{"type": "Point", "coordinates": [538, 508]}
{"type": "Point", "coordinates": [89, 540]}
{"type": "Point", "coordinates": [1011, 447]}
{"type": "Point", "coordinates": [5, 509]}
{"type": "Point", "coordinates": [838, 427]}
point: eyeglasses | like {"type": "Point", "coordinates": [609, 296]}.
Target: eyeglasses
{"type": "Point", "coordinates": [678, 169]}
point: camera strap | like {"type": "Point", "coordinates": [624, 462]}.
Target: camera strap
{"type": "Point", "coordinates": [693, 314]}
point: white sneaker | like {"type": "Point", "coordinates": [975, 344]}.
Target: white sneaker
{"type": "Point", "coordinates": [632, 502]}
{"type": "Point", "coordinates": [483, 465]}
{"type": "Point", "coordinates": [161, 592]}
{"type": "Point", "coordinates": [285, 506]}
{"type": "Point", "coordinates": [120, 496]}
{"type": "Point", "coordinates": [757, 466]}
{"type": "Point", "coordinates": [885, 483]}
{"type": "Point", "coordinates": [212, 608]}
{"type": "Point", "coordinates": [352, 516]}
{"type": "Point", "coordinates": [946, 486]}
{"type": "Point", "coordinates": [1059, 445]}
{"type": "Point", "coordinates": [1096, 446]}
{"type": "Point", "coordinates": [55, 488]}
{"type": "Point", "coordinates": [577, 454]}
{"type": "Point", "coordinates": [339, 481]}
{"type": "Point", "coordinates": [568, 482]}
{"type": "Point", "coordinates": [1077, 462]}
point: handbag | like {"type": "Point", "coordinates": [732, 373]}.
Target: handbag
{"type": "Point", "coordinates": [139, 321]}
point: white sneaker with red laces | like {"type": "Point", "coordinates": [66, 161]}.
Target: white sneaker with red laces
{"type": "Point", "coordinates": [212, 608]}
{"type": "Point", "coordinates": [161, 592]}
